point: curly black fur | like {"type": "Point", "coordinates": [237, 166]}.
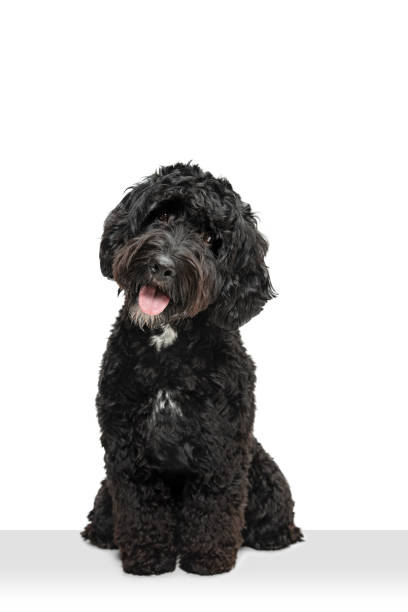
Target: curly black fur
{"type": "Point", "coordinates": [185, 476]}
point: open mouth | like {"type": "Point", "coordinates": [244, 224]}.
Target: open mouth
{"type": "Point", "coordinates": [152, 301]}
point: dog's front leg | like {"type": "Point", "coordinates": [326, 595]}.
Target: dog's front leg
{"type": "Point", "coordinates": [212, 524]}
{"type": "Point", "coordinates": [144, 524]}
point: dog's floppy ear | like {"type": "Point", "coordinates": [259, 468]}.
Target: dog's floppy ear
{"type": "Point", "coordinates": [115, 234]}
{"type": "Point", "coordinates": [247, 287]}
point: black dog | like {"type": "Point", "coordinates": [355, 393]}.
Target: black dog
{"type": "Point", "coordinates": [184, 474]}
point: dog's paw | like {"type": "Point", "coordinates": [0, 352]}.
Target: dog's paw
{"type": "Point", "coordinates": [99, 538]}
{"type": "Point", "coordinates": [216, 562]}
{"type": "Point", "coordinates": [269, 539]}
{"type": "Point", "coordinates": [145, 561]}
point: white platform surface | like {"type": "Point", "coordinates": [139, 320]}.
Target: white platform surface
{"type": "Point", "coordinates": [344, 570]}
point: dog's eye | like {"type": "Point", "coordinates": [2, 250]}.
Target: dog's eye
{"type": "Point", "coordinates": [164, 216]}
{"type": "Point", "coordinates": [208, 238]}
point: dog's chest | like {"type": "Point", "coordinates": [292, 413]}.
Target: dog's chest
{"type": "Point", "coordinates": [165, 407]}
{"type": "Point", "coordinates": [169, 444]}
{"type": "Point", "coordinates": [163, 339]}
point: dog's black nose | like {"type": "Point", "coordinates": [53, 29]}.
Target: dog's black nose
{"type": "Point", "coordinates": [162, 267]}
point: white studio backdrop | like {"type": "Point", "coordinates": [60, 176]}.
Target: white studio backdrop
{"type": "Point", "coordinates": [303, 107]}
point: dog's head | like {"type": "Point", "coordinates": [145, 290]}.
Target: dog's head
{"type": "Point", "coordinates": [182, 242]}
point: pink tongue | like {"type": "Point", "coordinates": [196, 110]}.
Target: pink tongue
{"type": "Point", "coordinates": [152, 301]}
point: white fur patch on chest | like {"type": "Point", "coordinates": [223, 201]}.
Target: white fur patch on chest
{"type": "Point", "coordinates": [165, 339]}
{"type": "Point", "coordinates": [165, 404]}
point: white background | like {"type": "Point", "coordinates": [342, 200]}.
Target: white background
{"type": "Point", "coordinates": [303, 106]}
